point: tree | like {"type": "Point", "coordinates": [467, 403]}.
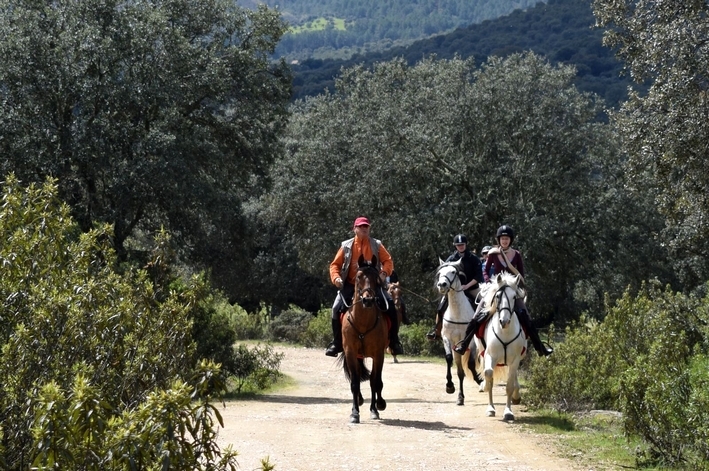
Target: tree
{"type": "Point", "coordinates": [149, 114]}
{"type": "Point", "coordinates": [98, 365]}
{"type": "Point", "coordinates": [665, 132]}
{"type": "Point", "coordinates": [445, 147]}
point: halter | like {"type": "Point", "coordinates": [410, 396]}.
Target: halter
{"type": "Point", "coordinates": [498, 296]}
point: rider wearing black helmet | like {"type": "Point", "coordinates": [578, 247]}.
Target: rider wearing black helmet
{"type": "Point", "coordinates": [504, 258]}
{"type": "Point", "coordinates": [473, 277]}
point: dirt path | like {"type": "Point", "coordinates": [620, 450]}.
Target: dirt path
{"type": "Point", "coordinates": [306, 427]}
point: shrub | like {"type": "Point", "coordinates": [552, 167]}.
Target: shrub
{"type": "Point", "coordinates": [290, 325]}
{"type": "Point", "coordinates": [318, 333]}
{"type": "Point", "coordinates": [580, 375]}
{"type": "Point", "coordinates": [414, 341]}
{"type": "Point", "coordinates": [254, 368]}
{"type": "Point", "coordinates": [648, 359]}
{"type": "Point", "coordinates": [87, 352]}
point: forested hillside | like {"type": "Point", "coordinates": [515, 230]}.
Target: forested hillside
{"type": "Point", "coordinates": [319, 27]}
{"type": "Point", "coordinates": [560, 30]}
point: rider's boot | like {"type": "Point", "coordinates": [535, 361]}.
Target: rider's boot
{"type": "Point", "coordinates": [473, 326]}
{"type": "Point", "coordinates": [526, 321]}
{"type": "Point", "coordinates": [435, 332]}
{"type": "Point", "coordinates": [335, 346]}
{"type": "Point", "coordinates": [394, 343]}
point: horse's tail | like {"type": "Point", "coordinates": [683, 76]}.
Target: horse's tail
{"type": "Point", "coordinates": [364, 372]}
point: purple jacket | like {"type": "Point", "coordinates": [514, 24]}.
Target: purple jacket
{"type": "Point", "coordinates": [496, 264]}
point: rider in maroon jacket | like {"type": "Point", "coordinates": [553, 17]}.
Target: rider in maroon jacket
{"type": "Point", "coordinates": [498, 263]}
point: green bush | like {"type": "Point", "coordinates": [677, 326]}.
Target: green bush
{"type": "Point", "coordinates": [247, 326]}
{"type": "Point", "coordinates": [648, 359]}
{"type": "Point", "coordinates": [414, 341]}
{"type": "Point", "coordinates": [290, 325]}
{"type": "Point", "coordinates": [254, 369]}
{"type": "Point", "coordinates": [580, 375]}
{"type": "Point", "coordinates": [96, 364]}
{"type": "Point", "coordinates": [318, 334]}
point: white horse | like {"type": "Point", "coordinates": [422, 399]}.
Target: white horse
{"type": "Point", "coordinates": [455, 319]}
{"type": "Point", "coordinates": [505, 343]}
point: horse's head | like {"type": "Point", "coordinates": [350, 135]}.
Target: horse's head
{"type": "Point", "coordinates": [505, 294]}
{"type": "Point", "coordinates": [448, 276]}
{"type": "Point", "coordinates": [367, 281]}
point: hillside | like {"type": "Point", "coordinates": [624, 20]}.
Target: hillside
{"type": "Point", "coordinates": [561, 30]}
{"type": "Point", "coordinates": [340, 28]}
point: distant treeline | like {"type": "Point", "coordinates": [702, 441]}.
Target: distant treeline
{"type": "Point", "coordinates": [561, 30]}
{"type": "Point", "coordinates": [371, 21]}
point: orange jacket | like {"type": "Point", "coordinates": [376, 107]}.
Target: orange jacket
{"type": "Point", "coordinates": [359, 247]}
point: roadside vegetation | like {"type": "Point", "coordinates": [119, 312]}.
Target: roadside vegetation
{"type": "Point", "coordinates": [162, 201]}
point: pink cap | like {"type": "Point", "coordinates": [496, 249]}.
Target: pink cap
{"type": "Point", "coordinates": [362, 221]}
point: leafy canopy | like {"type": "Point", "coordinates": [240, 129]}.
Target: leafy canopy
{"type": "Point", "coordinates": [150, 114]}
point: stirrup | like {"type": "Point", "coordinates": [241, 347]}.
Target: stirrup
{"type": "Point", "coordinates": [332, 350]}
{"type": "Point", "coordinates": [546, 350]}
{"type": "Point", "coordinates": [433, 333]}
{"type": "Point", "coordinates": [461, 347]}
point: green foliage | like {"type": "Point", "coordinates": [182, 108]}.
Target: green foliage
{"type": "Point", "coordinates": [664, 131]}
{"type": "Point", "coordinates": [92, 359]}
{"type": "Point", "coordinates": [319, 331]}
{"type": "Point", "coordinates": [290, 325]}
{"type": "Point", "coordinates": [648, 359]}
{"type": "Point", "coordinates": [254, 368]}
{"type": "Point", "coordinates": [579, 376]}
{"type": "Point", "coordinates": [150, 114]}
{"type": "Point", "coordinates": [414, 341]}
{"type": "Point", "coordinates": [449, 147]}
{"type": "Point", "coordinates": [172, 429]}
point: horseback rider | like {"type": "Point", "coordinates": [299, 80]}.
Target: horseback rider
{"type": "Point", "coordinates": [473, 277]}
{"type": "Point", "coordinates": [504, 258]}
{"type": "Point", "coordinates": [343, 270]}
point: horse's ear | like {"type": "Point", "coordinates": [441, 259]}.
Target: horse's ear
{"type": "Point", "coordinates": [440, 261]}
{"type": "Point", "coordinates": [498, 279]}
{"type": "Point", "coordinates": [360, 261]}
{"type": "Point", "coordinates": [374, 260]}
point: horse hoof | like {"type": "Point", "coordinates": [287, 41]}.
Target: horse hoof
{"type": "Point", "coordinates": [381, 404]}
{"type": "Point", "coordinates": [450, 389]}
{"type": "Point", "coordinates": [395, 360]}
{"type": "Point", "coordinates": [354, 419]}
{"type": "Point", "coordinates": [461, 402]}
{"type": "Point", "coordinates": [490, 412]}
{"type": "Point", "coordinates": [374, 415]}
{"type": "Point", "coordinates": [508, 417]}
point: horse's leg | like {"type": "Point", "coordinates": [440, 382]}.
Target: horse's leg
{"type": "Point", "coordinates": [512, 385]}
{"type": "Point", "coordinates": [376, 385]}
{"type": "Point", "coordinates": [461, 377]}
{"type": "Point", "coordinates": [395, 360]}
{"type": "Point", "coordinates": [450, 387]}
{"type": "Point", "coordinates": [489, 371]}
{"type": "Point", "coordinates": [353, 365]}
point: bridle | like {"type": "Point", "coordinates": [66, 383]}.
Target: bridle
{"type": "Point", "coordinates": [368, 301]}
{"type": "Point", "coordinates": [499, 310]}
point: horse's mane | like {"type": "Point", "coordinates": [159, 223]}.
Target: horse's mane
{"type": "Point", "coordinates": [488, 290]}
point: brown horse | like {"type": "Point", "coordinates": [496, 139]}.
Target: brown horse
{"type": "Point", "coordinates": [365, 335]}
{"type": "Point", "coordinates": [394, 291]}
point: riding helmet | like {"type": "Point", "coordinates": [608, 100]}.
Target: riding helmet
{"type": "Point", "coordinates": [485, 249]}
{"type": "Point", "coordinates": [460, 239]}
{"type": "Point", "coordinates": [506, 230]}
